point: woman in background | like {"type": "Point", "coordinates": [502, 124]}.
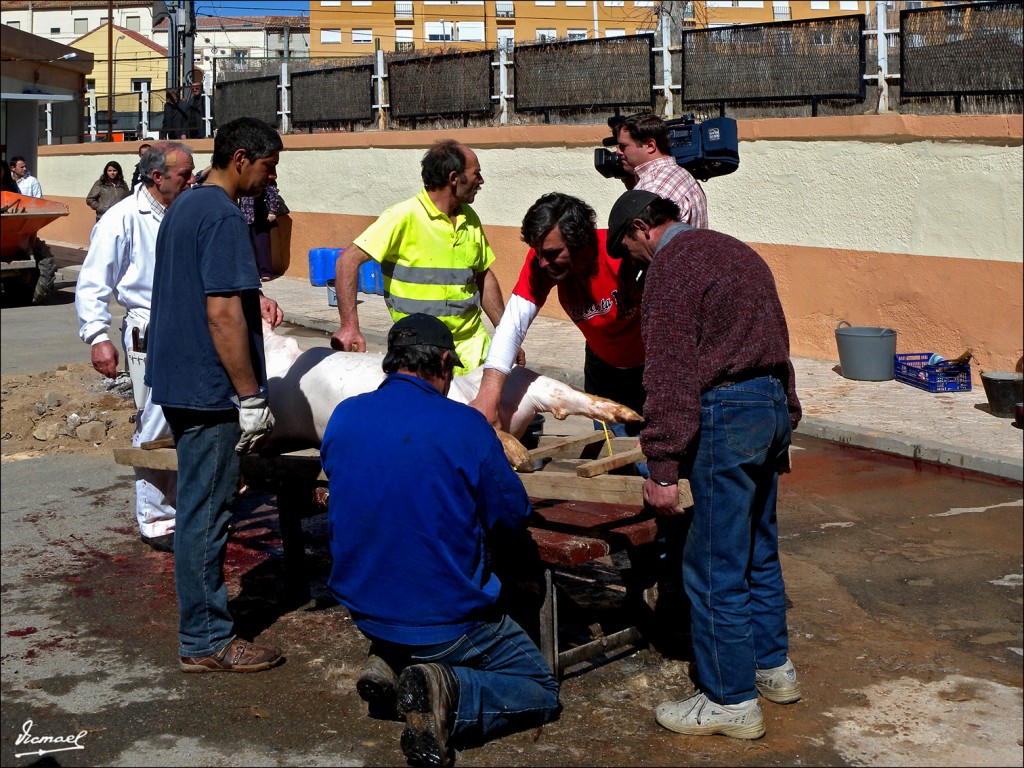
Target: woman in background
{"type": "Point", "coordinates": [110, 188]}
{"type": "Point", "coordinates": [261, 215]}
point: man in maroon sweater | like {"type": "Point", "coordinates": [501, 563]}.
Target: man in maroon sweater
{"type": "Point", "coordinates": [721, 404]}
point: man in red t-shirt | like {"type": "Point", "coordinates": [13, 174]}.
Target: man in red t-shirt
{"type": "Point", "coordinates": [601, 295]}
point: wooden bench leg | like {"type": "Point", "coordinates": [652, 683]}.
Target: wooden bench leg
{"type": "Point", "coordinates": [549, 624]}
{"type": "Point", "coordinates": [292, 503]}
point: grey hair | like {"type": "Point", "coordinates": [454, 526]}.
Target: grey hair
{"type": "Point", "coordinates": [157, 157]}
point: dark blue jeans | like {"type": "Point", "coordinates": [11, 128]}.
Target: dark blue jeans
{"type": "Point", "coordinates": [505, 684]}
{"type": "Point", "coordinates": [731, 568]}
{"type": "Point", "coordinates": [208, 477]}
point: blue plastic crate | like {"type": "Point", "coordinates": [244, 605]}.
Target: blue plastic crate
{"type": "Point", "coordinates": [321, 265]}
{"type": "Point", "coordinates": [912, 368]}
{"type": "Point", "coordinates": [370, 278]}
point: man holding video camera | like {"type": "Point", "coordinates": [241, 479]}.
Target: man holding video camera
{"type": "Point", "coordinates": [642, 143]}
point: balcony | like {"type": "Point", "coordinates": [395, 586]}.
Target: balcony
{"type": "Point", "coordinates": [403, 11]}
{"type": "Point", "coordinates": [780, 11]}
{"type": "Point", "coordinates": [402, 46]}
{"type": "Point", "coordinates": [505, 10]}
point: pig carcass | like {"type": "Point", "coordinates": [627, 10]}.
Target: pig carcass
{"type": "Point", "coordinates": [305, 387]}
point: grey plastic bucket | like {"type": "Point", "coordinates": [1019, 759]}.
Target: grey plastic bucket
{"type": "Point", "coordinates": [866, 353]}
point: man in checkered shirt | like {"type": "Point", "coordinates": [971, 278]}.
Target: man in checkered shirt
{"type": "Point", "coordinates": [643, 144]}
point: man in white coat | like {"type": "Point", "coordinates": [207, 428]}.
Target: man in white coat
{"type": "Point", "coordinates": [120, 264]}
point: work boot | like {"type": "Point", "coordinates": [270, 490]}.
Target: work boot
{"type": "Point", "coordinates": [428, 695]}
{"type": "Point", "coordinates": [237, 656]}
{"type": "Point", "coordinates": [700, 716]}
{"type": "Point", "coordinates": [779, 684]}
{"type": "Point", "coordinates": [378, 687]}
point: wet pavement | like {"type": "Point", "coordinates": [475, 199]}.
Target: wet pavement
{"type": "Point", "coordinates": [903, 581]}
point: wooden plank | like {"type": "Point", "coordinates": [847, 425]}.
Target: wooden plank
{"type": "Point", "coordinates": [565, 445]}
{"type": "Point", "coordinates": [567, 548]}
{"type": "Point", "coordinates": [607, 489]}
{"type": "Point", "coordinates": [608, 463]}
{"type": "Point", "coordinates": [159, 458]}
{"type": "Point", "coordinates": [164, 442]}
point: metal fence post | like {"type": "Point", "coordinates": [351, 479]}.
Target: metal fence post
{"type": "Point", "coordinates": [502, 85]}
{"type": "Point", "coordinates": [92, 114]}
{"type": "Point", "coordinates": [380, 75]}
{"type": "Point", "coordinates": [882, 21]}
{"type": "Point", "coordinates": [207, 105]}
{"type": "Point", "coordinates": [144, 123]}
{"type": "Point", "coordinates": [666, 63]}
{"type": "Point", "coordinates": [285, 111]}
{"type": "Point", "coordinates": [49, 122]}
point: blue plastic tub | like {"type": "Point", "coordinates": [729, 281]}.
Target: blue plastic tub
{"type": "Point", "coordinates": [321, 265]}
{"type": "Point", "coordinates": [370, 278]}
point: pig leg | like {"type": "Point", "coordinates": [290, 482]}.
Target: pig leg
{"type": "Point", "coordinates": [527, 393]}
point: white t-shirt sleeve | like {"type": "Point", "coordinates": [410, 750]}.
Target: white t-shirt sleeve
{"type": "Point", "coordinates": [510, 333]}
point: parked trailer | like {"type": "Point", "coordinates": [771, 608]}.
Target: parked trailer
{"type": "Point", "coordinates": [27, 267]}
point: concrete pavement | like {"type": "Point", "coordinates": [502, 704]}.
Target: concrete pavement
{"type": "Point", "coordinates": [955, 429]}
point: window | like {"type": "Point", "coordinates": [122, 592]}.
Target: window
{"type": "Point", "coordinates": [13, 24]}
{"type": "Point", "coordinates": [326, 3]}
{"type": "Point", "coordinates": [356, 3]}
{"type": "Point", "coordinates": [138, 82]}
{"type": "Point", "coordinates": [403, 10]}
{"type": "Point", "coordinates": [615, 33]}
{"type": "Point", "coordinates": [469, 31]}
{"type": "Point", "coordinates": [577, 3]}
{"type": "Point", "coordinates": [330, 36]}
{"type": "Point", "coordinates": [438, 31]}
{"type": "Point", "coordinates": [544, 2]}
{"type": "Point", "coordinates": [54, 30]}
{"type": "Point", "coordinates": [134, 23]}
{"type": "Point", "coordinates": [751, 4]}
{"type": "Point", "coordinates": [240, 54]}
{"type": "Point", "coordinates": [614, 3]}
{"type": "Point", "coordinates": [362, 36]}
{"type": "Point", "coordinates": [819, 5]}
{"type": "Point", "coordinates": [81, 26]}
{"type": "Point", "coordinates": [643, 3]}
{"type": "Point", "coordinates": [849, 5]}
{"type": "Point", "coordinates": [505, 10]}
{"type": "Point", "coordinates": [403, 40]}
{"type": "Point", "coordinates": [90, 84]}
{"type": "Point", "coordinates": [576, 34]}
{"type": "Point", "coordinates": [506, 40]}
{"type": "Point", "coordinates": [546, 35]}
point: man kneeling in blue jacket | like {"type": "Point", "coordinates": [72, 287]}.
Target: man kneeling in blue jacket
{"type": "Point", "coordinates": [410, 554]}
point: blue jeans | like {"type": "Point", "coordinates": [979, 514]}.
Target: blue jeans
{"type": "Point", "coordinates": [208, 477]}
{"type": "Point", "coordinates": [505, 684]}
{"type": "Point", "coordinates": [731, 568]}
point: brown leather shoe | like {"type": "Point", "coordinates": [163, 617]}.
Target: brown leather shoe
{"type": "Point", "coordinates": [428, 694]}
{"type": "Point", "coordinates": [237, 656]}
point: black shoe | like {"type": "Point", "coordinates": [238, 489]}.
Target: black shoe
{"type": "Point", "coordinates": [378, 687]}
{"type": "Point", "coordinates": [428, 694]}
{"type": "Point", "coordinates": [163, 543]}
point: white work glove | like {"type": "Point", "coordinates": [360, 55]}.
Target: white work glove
{"type": "Point", "coordinates": [255, 419]}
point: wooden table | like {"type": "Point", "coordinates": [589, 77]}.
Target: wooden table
{"type": "Point", "coordinates": [580, 516]}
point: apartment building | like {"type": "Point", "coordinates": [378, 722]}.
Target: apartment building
{"type": "Point", "coordinates": [241, 38]}
{"type": "Point", "coordinates": [358, 27]}
{"type": "Point", "coordinates": [64, 21]}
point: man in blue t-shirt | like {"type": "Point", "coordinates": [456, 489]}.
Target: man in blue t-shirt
{"type": "Point", "coordinates": [206, 369]}
{"type": "Point", "coordinates": [410, 554]}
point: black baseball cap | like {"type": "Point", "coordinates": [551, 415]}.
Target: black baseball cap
{"type": "Point", "coordinates": [419, 328]}
{"type": "Point", "coordinates": [629, 205]}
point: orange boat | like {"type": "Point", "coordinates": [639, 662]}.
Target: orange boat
{"type": "Point", "coordinates": [23, 216]}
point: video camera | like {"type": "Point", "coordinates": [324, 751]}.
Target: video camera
{"type": "Point", "coordinates": [706, 149]}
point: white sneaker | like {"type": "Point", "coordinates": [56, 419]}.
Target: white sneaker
{"type": "Point", "coordinates": [779, 684]}
{"type": "Point", "coordinates": [699, 716]}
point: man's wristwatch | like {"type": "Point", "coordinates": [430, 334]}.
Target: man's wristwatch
{"type": "Point", "coordinates": [663, 485]}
